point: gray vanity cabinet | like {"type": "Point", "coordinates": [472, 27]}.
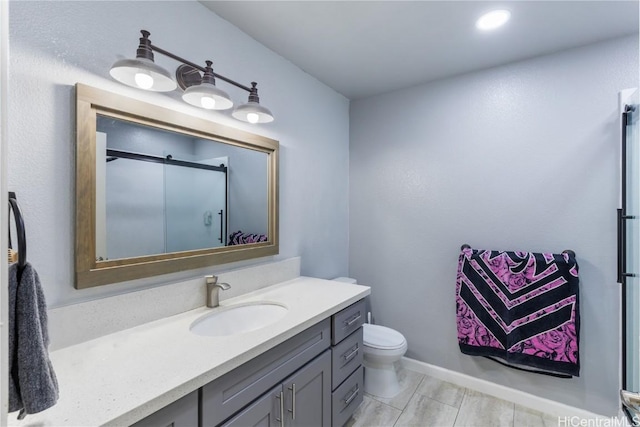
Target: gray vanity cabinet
{"type": "Point", "coordinates": [303, 382]}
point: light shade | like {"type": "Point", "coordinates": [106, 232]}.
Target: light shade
{"type": "Point", "coordinates": [140, 72]}
{"type": "Point", "coordinates": [206, 94]}
{"type": "Point", "coordinates": [252, 112]}
{"type": "Point", "coordinates": [493, 19]}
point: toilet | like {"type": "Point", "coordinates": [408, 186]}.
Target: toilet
{"type": "Point", "coordinates": [382, 348]}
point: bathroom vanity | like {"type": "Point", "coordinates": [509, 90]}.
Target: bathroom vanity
{"type": "Point", "coordinates": [303, 369]}
{"type": "Point", "coordinates": [313, 379]}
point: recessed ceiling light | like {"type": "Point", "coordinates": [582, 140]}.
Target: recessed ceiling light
{"type": "Point", "coordinates": [493, 19]}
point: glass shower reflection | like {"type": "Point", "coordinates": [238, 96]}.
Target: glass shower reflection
{"type": "Point", "coordinates": [157, 192]}
{"type": "Point", "coordinates": [196, 204]}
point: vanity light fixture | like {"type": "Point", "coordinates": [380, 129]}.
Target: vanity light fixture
{"type": "Point", "coordinates": [199, 90]}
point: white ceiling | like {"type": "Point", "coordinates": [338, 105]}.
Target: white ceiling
{"type": "Point", "coordinates": [363, 48]}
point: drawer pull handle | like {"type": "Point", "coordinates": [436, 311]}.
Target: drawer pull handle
{"type": "Point", "coordinates": [293, 401]}
{"type": "Point", "coordinates": [281, 419]}
{"type": "Point", "coordinates": [348, 400]}
{"type": "Point", "coordinates": [353, 353]}
{"type": "Point", "coordinates": [353, 320]}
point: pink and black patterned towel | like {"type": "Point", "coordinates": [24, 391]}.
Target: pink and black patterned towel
{"type": "Point", "coordinates": [240, 238]}
{"type": "Point", "coordinates": [520, 307]}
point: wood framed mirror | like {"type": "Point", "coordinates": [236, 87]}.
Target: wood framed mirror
{"type": "Point", "coordinates": [159, 191]}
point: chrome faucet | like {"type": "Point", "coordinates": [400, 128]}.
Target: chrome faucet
{"type": "Point", "coordinates": [631, 401]}
{"type": "Point", "coordinates": [213, 287]}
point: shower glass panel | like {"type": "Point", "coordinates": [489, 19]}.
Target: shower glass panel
{"type": "Point", "coordinates": [159, 192]}
{"type": "Point", "coordinates": [631, 280]}
{"type": "Point", "coordinates": [196, 204]}
{"type": "Point", "coordinates": [134, 206]}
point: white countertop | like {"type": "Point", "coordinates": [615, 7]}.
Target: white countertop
{"type": "Point", "coordinates": [120, 378]}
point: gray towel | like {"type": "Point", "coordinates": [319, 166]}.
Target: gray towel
{"type": "Point", "coordinates": [33, 386]}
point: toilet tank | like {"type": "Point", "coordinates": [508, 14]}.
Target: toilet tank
{"type": "Point", "coordinates": [346, 280]}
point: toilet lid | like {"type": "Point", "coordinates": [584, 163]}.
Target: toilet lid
{"type": "Point", "coordinates": [377, 336]}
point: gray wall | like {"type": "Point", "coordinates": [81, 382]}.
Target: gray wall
{"type": "Point", "coordinates": [521, 157]}
{"type": "Point", "coordinates": [53, 45]}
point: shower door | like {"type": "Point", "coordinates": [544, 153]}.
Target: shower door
{"type": "Point", "coordinates": [629, 246]}
{"type": "Point", "coordinates": [195, 204]}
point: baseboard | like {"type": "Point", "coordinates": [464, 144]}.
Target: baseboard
{"type": "Point", "coordinates": [502, 392]}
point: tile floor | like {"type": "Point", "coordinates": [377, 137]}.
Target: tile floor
{"type": "Point", "coordinates": [429, 402]}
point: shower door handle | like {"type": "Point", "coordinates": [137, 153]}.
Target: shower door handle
{"type": "Point", "coordinates": [621, 246]}
{"type": "Point", "coordinates": [221, 224]}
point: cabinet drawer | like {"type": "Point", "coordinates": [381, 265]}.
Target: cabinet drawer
{"type": "Point", "coordinates": [347, 321]}
{"type": "Point", "coordinates": [231, 392]}
{"type": "Point", "coordinates": [348, 397]}
{"type": "Point", "coordinates": [346, 357]}
{"type": "Point", "coordinates": [181, 413]}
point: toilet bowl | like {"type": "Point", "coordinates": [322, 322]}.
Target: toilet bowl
{"type": "Point", "coordinates": [382, 348]}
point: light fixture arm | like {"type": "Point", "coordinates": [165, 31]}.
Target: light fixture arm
{"type": "Point", "coordinates": [155, 48]}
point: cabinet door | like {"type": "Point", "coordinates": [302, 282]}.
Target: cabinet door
{"type": "Point", "coordinates": [181, 413]}
{"type": "Point", "coordinates": [264, 412]}
{"type": "Point", "coordinates": [307, 394]}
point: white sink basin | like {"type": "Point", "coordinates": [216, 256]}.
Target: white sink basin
{"type": "Point", "coordinates": [238, 319]}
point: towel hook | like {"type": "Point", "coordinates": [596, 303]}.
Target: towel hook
{"type": "Point", "coordinates": [22, 236]}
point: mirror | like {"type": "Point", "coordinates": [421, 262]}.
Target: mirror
{"type": "Point", "coordinates": [159, 191]}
